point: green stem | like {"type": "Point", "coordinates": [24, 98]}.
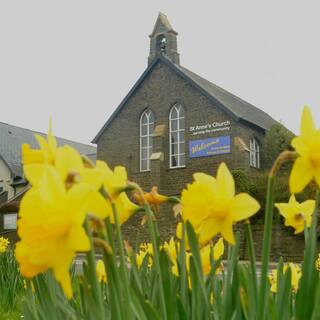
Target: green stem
{"type": "Point", "coordinates": [122, 258]}
{"type": "Point", "coordinates": [111, 269]}
{"type": "Point", "coordinates": [91, 259]}
{"type": "Point", "coordinates": [183, 276]}
{"type": "Point", "coordinates": [267, 233]}
{"type": "Point", "coordinates": [252, 257]}
{"type": "Point", "coordinates": [155, 243]}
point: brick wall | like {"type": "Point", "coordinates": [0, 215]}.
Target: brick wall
{"type": "Point", "coordinates": [119, 145]}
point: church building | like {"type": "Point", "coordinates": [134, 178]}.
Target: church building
{"type": "Point", "coordinates": [173, 123]}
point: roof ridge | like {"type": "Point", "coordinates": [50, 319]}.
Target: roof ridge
{"type": "Point", "coordinates": [42, 133]}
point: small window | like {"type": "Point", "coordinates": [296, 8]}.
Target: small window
{"type": "Point", "coordinates": [10, 221]}
{"type": "Point", "coordinates": [254, 153]}
{"type": "Point", "coordinates": [177, 136]}
{"type": "Point", "coordinates": [146, 133]}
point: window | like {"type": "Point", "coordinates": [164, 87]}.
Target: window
{"type": "Point", "coordinates": [254, 154]}
{"type": "Point", "coordinates": [177, 143]}
{"type": "Point", "coordinates": [10, 221]}
{"type": "Point", "coordinates": [146, 132]}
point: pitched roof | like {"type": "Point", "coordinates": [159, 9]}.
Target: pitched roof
{"type": "Point", "coordinates": [12, 137]}
{"type": "Point", "coordinates": [231, 104]}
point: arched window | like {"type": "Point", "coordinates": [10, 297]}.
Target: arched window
{"type": "Point", "coordinates": [176, 133]}
{"type": "Point", "coordinates": [146, 132]}
{"type": "Point", "coordinates": [162, 44]}
{"type": "Point", "coordinates": [254, 153]}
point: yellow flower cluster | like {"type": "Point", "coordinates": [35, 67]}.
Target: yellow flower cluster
{"type": "Point", "coordinates": [64, 189]}
{"type": "Point", "coordinates": [211, 206]}
{"type": "Point", "coordinates": [172, 248]}
{"type": "Point", "coordinates": [4, 242]}
{"type": "Point", "coordinates": [295, 277]}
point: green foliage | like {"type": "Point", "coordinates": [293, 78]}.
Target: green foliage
{"type": "Point", "coordinates": [11, 283]}
{"type": "Point", "coordinates": [277, 139]}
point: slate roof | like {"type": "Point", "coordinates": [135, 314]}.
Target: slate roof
{"type": "Point", "coordinates": [12, 137]}
{"type": "Point", "coordinates": [242, 109]}
{"type": "Point", "coordinates": [231, 104]}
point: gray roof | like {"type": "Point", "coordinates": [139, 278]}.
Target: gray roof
{"type": "Point", "coordinates": [12, 137]}
{"type": "Point", "coordinates": [231, 104]}
{"type": "Point", "coordinates": [242, 109]}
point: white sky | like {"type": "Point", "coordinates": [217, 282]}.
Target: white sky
{"type": "Point", "coordinates": [76, 60]}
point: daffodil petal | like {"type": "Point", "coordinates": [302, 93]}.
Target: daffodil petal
{"type": "Point", "coordinates": [301, 175]}
{"type": "Point", "coordinates": [227, 232]}
{"type": "Point", "coordinates": [206, 179]}
{"type": "Point", "coordinates": [61, 273]}
{"type": "Point", "coordinates": [97, 205]}
{"type": "Point", "coordinates": [208, 230]}
{"type": "Point", "coordinates": [68, 160]}
{"type": "Point", "coordinates": [225, 181]}
{"type": "Point", "coordinates": [307, 207]}
{"type": "Point", "coordinates": [51, 187]}
{"type": "Point", "coordinates": [284, 209]}
{"type": "Point", "coordinates": [121, 174]}
{"type": "Point", "coordinates": [78, 239]}
{"type": "Point", "coordinates": [307, 123]}
{"type": "Point", "coordinates": [93, 177]}
{"type": "Point", "coordinates": [218, 249]}
{"type": "Point", "coordinates": [34, 172]}
{"type": "Point", "coordinates": [77, 200]}
{"type": "Point", "coordinates": [243, 206]}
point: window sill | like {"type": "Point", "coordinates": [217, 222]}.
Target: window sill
{"type": "Point", "coordinates": [178, 167]}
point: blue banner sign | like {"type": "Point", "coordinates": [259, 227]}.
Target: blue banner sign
{"type": "Point", "coordinates": [209, 147]}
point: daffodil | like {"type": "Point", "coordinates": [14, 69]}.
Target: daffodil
{"type": "Point", "coordinates": [46, 153]}
{"type": "Point", "coordinates": [50, 227]}
{"type": "Point", "coordinates": [115, 182]}
{"type": "Point", "coordinates": [125, 208]}
{"type": "Point", "coordinates": [297, 214]}
{"type": "Point", "coordinates": [152, 197]}
{"type": "Point", "coordinates": [211, 206]}
{"type": "Point", "coordinates": [101, 272]}
{"type": "Point", "coordinates": [146, 249]}
{"type": "Point", "coordinates": [307, 145]}
{"type": "Point", "coordinates": [295, 277]}
{"type": "Point", "coordinates": [4, 242]}
{"type": "Point", "coordinates": [205, 255]}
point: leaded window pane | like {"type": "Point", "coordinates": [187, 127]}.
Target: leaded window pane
{"type": "Point", "coordinates": [146, 134]}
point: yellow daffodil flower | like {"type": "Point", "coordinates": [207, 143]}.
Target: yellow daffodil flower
{"type": "Point", "coordinates": [46, 153]}
{"type": "Point", "coordinates": [101, 272]}
{"type": "Point", "coordinates": [297, 214]}
{"type": "Point", "coordinates": [4, 243]}
{"type": "Point", "coordinates": [115, 182]}
{"type": "Point", "coordinates": [152, 197]}
{"type": "Point", "coordinates": [125, 208]}
{"type": "Point", "coordinates": [307, 165]}
{"type": "Point", "coordinates": [205, 255]}
{"type": "Point", "coordinates": [145, 249]}
{"type": "Point", "coordinates": [295, 277]}
{"type": "Point", "coordinates": [50, 227]}
{"type": "Point", "coordinates": [211, 206]}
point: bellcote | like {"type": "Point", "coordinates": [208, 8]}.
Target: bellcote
{"type": "Point", "coordinates": [163, 40]}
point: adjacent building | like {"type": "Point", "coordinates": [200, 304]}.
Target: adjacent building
{"type": "Point", "coordinates": [12, 182]}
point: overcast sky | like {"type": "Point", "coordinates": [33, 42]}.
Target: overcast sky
{"type": "Point", "coordinates": [76, 60]}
